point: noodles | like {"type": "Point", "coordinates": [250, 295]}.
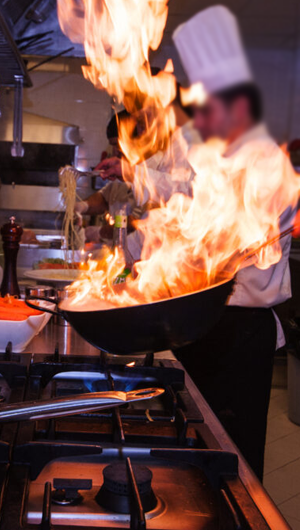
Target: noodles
{"type": "Point", "coordinates": [67, 186]}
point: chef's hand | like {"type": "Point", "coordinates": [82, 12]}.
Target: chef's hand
{"type": "Point", "coordinates": [116, 168]}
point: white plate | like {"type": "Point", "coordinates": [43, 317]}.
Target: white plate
{"type": "Point", "coordinates": [20, 333]}
{"type": "Point", "coordinates": [53, 275]}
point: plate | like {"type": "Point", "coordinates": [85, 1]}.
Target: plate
{"type": "Point", "coordinates": [57, 276]}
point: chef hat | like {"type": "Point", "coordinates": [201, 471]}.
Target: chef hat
{"type": "Point", "coordinates": [211, 50]}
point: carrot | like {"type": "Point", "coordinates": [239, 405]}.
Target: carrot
{"type": "Point", "coordinates": [15, 317]}
{"type": "Point", "coordinates": [13, 309]}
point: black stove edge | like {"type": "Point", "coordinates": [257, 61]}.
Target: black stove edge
{"type": "Point", "coordinates": [214, 463]}
{"type": "Point", "coordinates": [38, 454]}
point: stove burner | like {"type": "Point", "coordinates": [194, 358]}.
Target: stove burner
{"type": "Point", "coordinates": [115, 494]}
{"type": "Point", "coordinates": [61, 498]}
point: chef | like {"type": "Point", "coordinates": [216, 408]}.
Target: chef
{"type": "Point", "coordinates": [156, 179]}
{"type": "Point", "coordinates": [109, 198]}
{"type": "Point", "coordinates": [232, 365]}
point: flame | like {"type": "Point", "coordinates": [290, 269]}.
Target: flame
{"type": "Point", "coordinates": [117, 36]}
{"type": "Point", "coordinates": [190, 242]}
{"type": "Point", "coordinates": [195, 94]}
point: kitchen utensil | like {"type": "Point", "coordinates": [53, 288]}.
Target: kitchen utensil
{"type": "Point", "coordinates": [167, 324]}
{"type": "Point", "coordinates": [153, 327]}
{"type": "Point", "coordinates": [39, 290]}
{"type": "Point", "coordinates": [77, 173]}
{"type": "Point", "coordinates": [58, 407]}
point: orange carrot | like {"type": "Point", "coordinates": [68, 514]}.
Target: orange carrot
{"type": "Point", "coordinates": [13, 309]}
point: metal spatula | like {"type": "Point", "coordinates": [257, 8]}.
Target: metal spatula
{"type": "Point", "coordinates": [57, 407]}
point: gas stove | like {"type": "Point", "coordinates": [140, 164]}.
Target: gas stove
{"type": "Point", "coordinates": [153, 464]}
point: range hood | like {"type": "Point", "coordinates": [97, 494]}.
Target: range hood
{"type": "Point", "coordinates": [41, 130]}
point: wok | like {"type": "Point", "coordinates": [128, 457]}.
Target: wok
{"type": "Point", "coordinates": [162, 325]}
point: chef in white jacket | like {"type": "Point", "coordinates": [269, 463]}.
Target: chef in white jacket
{"type": "Point", "coordinates": [232, 365]}
{"type": "Point", "coordinates": [155, 180]}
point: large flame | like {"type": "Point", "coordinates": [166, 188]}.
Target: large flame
{"type": "Point", "coordinates": [117, 36]}
{"type": "Point", "coordinates": [190, 243]}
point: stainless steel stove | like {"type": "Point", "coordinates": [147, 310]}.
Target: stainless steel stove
{"type": "Point", "coordinates": [162, 464]}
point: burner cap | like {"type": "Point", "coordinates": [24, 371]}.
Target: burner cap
{"type": "Point", "coordinates": [114, 495]}
{"type": "Point", "coordinates": [61, 498]}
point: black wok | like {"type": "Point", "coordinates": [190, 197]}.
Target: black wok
{"type": "Point", "coordinates": [167, 324]}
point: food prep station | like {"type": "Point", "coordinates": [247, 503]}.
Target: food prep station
{"type": "Point", "coordinates": [164, 463]}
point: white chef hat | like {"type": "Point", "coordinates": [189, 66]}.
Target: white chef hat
{"type": "Point", "coordinates": [211, 49]}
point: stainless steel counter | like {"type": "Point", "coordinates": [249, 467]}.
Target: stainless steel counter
{"type": "Point", "coordinates": [63, 336]}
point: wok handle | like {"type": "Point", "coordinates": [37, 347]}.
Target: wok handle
{"type": "Point", "coordinates": [44, 309]}
{"type": "Point", "coordinates": [281, 235]}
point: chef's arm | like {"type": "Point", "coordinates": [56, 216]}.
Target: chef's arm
{"type": "Point", "coordinates": [153, 187]}
{"type": "Point", "coordinates": [94, 205]}
{"type": "Point", "coordinates": [147, 184]}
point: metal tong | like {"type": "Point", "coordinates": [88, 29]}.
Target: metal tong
{"type": "Point", "coordinates": [78, 173]}
{"type": "Point", "coordinates": [58, 407]}
{"type": "Point", "coordinates": [279, 236]}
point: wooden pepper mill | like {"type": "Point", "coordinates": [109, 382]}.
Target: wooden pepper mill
{"type": "Point", "coordinates": [11, 236]}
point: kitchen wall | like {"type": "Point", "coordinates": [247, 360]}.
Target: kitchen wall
{"type": "Point", "coordinates": [60, 92]}
{"type": "Point", "coordinates": [278, 75]}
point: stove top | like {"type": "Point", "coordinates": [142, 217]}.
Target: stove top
{"type": "Point", "coordinates": [152, 464]}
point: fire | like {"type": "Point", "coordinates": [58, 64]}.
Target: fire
{"type": "Point", "coordinates": [117, 36]}
{"type": "Point", "coordinates": [195, 94]}
{"type": "Point", "coordinates": [190, 243]}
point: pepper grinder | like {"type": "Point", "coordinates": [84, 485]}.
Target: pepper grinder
{"type": "Point", "coordinates": [11, 236]}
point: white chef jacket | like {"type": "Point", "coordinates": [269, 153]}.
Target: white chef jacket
{"type": "Point", "coordinates": [116, 193]}
{"type": "Point", "coordinates": [156, 179]}
{"type": "Point", "coordinates": [255, 287]}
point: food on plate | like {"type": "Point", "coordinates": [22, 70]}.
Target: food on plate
{"type": "Point", "coordinates": [56, 263]}
{"type": "Point", "coordinates": [14, 309]}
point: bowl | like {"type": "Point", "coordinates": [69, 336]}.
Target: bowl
{"type": "Point", "coordinates": [20, 333]}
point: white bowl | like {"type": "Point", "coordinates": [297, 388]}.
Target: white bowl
{"type": "Point", "coordinates": [20, 333]}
